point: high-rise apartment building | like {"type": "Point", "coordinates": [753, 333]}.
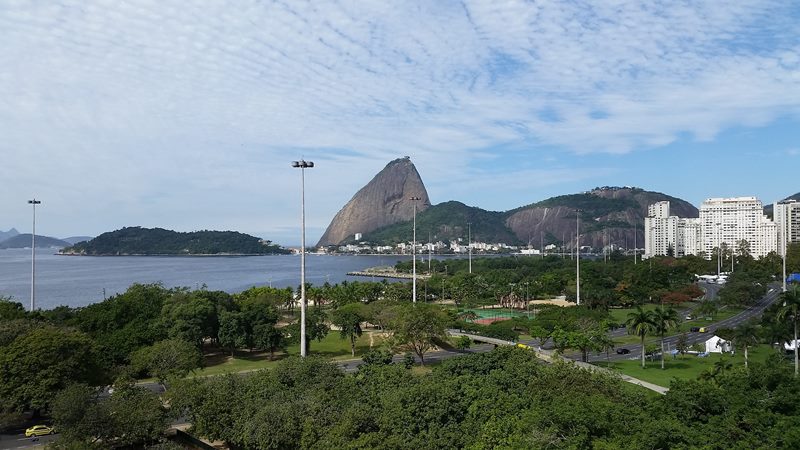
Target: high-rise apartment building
{"type": "Point", "coordinates": [665, 234]}
{"type": "Point", "coordinates": [787, 221]}
{"type": "Point", "coordinates": [731, 221]}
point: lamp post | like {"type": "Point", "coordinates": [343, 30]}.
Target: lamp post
{"type": "Point", "coordinates": [578, 256]}
{"type": "Point", "coordinates": [414, 253]}
{"type": "Point", "coordinates": [719, 250]}
{"type": "Point", "coordinates": [783, 250]}
{"type": "Point", "coordinates": [469, 244]}
{"type": "Point", "coordinates": [302, 165]}
{"type": "Point", "coordinates": [33, 202]}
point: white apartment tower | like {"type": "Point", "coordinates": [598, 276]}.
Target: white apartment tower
{"type": "Point", "coordinates": [787, 221]}
{"type": "Point", "coordinates": [732, 220]}
{"type": "Point", "coordinates": [663, 232]}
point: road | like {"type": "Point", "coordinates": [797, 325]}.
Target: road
{"type": "Point", "coordinates": [18, 440]}
{"type": "Point", "coordinates": [696, 337]}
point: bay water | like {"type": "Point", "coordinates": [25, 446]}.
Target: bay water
{"type": "Point", "coordinates": [82, 280]}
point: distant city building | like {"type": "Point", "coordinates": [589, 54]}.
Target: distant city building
{"type": "Point", "coordinates": [665, 234]}
{"type": "Point", "coordinates": [358, 236]}
{"type": "Point", "coordinates": [731, 221]}
{"type": "Point", "coordinates": [787, 221]}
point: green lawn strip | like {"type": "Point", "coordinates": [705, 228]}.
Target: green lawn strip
{"type": "Point", "coordinates": [683, 367]}
{"type": "Point", "coordinates": [331, 347]}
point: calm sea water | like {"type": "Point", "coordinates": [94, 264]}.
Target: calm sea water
{"type": "Point", "coordinates": [80, 280]}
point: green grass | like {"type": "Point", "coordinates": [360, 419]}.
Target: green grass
{"type": "Point", "coordinates": [331, 347]}
{"type": "Point", "coordinates": [724, 313]}
{"type": "Point", "coordinates": [683, 367]}
{"type": "Point", "coordinates": [621, 315]}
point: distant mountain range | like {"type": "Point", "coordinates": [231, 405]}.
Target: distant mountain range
{"type": "Point", "coordinates": [381, 212]}
{"type": "Point", "coordinates": [158, 241]}
{"type": "Point", "coordinates": [24, 240]}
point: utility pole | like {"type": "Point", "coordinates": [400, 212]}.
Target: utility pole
{"type": "Point", "coordinates": [33, 202]}
{"type": "Point", "coordinates": [414, 254]}
{"type": "Point", "coordinates": [578, 256]}
{"type": "Point", "coordinates": [469, 244]}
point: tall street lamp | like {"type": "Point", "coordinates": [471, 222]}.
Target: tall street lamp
{"type": "Point", "coordinates": [302, 165]}
{"type": "Point", "coordinates": [33, 202]}
{"type": "Point", "coordinates": [414, 253]}
{"type": "Point", "coordinates": [578, 256]}
{"type": "Point", "coordinates": [719, 250]}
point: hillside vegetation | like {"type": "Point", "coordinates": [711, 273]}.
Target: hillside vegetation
{"type": "Point", "coordinates": [448, 222]}
{"type": "Point", "coordinates": [158, 241]}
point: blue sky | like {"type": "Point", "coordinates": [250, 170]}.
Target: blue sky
{"type": "Point", "coordinates": [186, 114]}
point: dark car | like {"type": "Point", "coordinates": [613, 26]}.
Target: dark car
{"type": "Point", "coordinates": [694, 329]}
{"type": "Point", "coordinates": [623, 351]}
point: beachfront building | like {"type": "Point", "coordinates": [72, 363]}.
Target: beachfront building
{"type": "Point", "coordinates": [729, 221]}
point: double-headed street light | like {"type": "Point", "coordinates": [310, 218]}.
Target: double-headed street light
{"type": "Point", "coordinates": [302, 165]}
{"type": "Point", "coordinates": [414, 253]}
{"type": "Point", "coordinates": [33, 202]}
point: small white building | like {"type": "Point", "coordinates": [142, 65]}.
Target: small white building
{"type": "Point", "coordinates": [717, 345]}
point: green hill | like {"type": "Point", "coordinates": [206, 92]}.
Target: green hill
{"type": "Point", "coordinates": [158, 241]}
{"type": "Point", "coordinates": [446, 222]}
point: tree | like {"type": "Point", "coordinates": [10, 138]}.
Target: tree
{"type": "Point", "coordinates": [131, 416]}
{"type": "Point", "coordinates": [745, 335]}
{"type": "Point", "coordinates": [664, 320]}
{"type": "Point", "coordinates": [707, 308]}
{"type": "Point", "coordinates": [35, 366]}
{"type": "Point", "coordinates": [172, 358]}
{"type": "Point", "coordinates": [683, 343]}
{"type": "Point", "coordinates": [189, 317]}
{"type": "Point", "coordinates": [10, 310]}
{"type": "Point", "coordinates": [417, 326]}
{"type": "Point", "coordinates": [268, 337]}
{"type": "Point", "coordinates": [316, 328]}
{"type": "Point", "coordinates": [641, 323]}
{"type": "Point", "coordinates": [790, 310]}
{"type": "Point", "coordinates": [232, 332]}
{"type": "Point", "coordinates": [348, 318]}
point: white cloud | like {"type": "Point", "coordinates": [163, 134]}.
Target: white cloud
{"type": "Point", "coordinates": [145, 105]}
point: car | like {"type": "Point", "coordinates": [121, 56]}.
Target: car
{"type": "Point", "coordinates": [623, 351]}
{"type": "Point", "coordinates": [688, 317]}
{"type": "Point", "coordinates": [705, 329]}
{"type": "Point", "coordinates": [694, 329]}
{"type": "Point", "coordinates": [38, 430]}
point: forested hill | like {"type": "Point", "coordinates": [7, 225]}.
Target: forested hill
{"type": "Point", "coordinates": [158, 241]}
{"type": "Point", "coordinates": [447, 222]}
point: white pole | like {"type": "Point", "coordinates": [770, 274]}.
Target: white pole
{"type": "Point", "coordinates": [578, 256]}
{"type": "Point", "coordinates": [414, 254]}
{"type": "Point", "coordinates": [33, 202]}
{"type": "Point", "coordinates": [302, 165]}
{"type": "Point", "coordinates": [469, 244]}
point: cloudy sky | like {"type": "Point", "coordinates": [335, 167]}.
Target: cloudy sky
{"type": "Point", "coordinates": [187, 114]}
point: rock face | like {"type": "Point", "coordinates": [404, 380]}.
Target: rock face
{"type": "Point", "coordinates": [610, 215]}
{"type": "Point", "coordinates": [383, 201]}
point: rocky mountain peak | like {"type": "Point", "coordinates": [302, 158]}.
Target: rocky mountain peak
{"type": "Point", "coordinates": [385, 200]}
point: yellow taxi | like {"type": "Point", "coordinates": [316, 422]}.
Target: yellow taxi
{"type": "Point", "coordinates": [38, 430]}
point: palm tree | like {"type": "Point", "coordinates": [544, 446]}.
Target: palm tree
{"type": "Point", "coordinates": [791, 309]}
{"type": "Point", "coordinates": [746, 334]}
{"type": "Point", "coordinates": [665, 320]}
{"type": "Point", "coordinates": [640, 323]}
{"type": "Point", "coordinates": [707, 308]}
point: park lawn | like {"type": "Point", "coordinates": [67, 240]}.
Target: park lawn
{"type": "Point", "coordinates": [331, 347]}
{"type": "Point", "coordinates": [684, 367]}
{"type": "Point", "coordinates": [621, 315]}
